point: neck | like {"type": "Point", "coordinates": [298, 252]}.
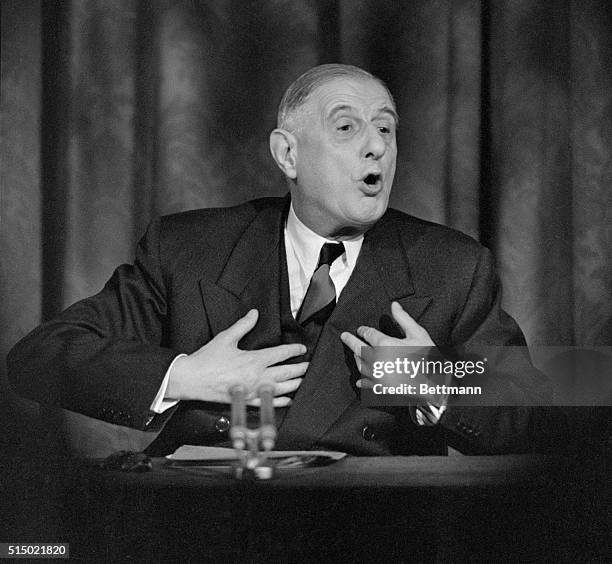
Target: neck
{"type": "Point", "coordinates": [342, 233]}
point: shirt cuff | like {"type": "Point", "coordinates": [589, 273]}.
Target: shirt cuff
{"type": "Point", "coordinates": [160, 403]}
{"type": "Point", "coordinates": [428, 415]}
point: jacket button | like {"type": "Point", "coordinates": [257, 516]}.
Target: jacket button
{"type": "Point", "coordinates": [222, 424]}
{"type": "Point", "coordinates": [368, 433]}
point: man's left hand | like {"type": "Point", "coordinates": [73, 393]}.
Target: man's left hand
{"type": "Point", "coordinates": [415, 336]}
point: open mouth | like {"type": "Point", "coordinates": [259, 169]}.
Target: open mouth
{"type": "Point", "coordinates": [372, 184]}
{"type": "Point", "coordinates": [372, 179]}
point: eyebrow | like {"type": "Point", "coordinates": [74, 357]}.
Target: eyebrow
{"type": "Point", "coordinates": [391, 111]}
{"type": "Point", "coordinates": [384, 110]}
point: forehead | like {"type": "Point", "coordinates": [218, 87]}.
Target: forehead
{"type": "Point", "coordinates": [359, 94]}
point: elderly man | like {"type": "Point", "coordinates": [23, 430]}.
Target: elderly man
{"type": "Point", "coordinates": [288, 291]}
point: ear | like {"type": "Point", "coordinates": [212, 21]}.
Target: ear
{"type": "Point", "coordinates": [283, 148]}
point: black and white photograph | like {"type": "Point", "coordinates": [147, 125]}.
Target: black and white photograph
{"type": "Point", "coordinates": [306, 280]}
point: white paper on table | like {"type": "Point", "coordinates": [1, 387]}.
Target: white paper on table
{"type": "Point", "coordinates": [193, 453]}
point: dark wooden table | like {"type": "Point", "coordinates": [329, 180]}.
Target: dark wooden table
{"type": "Point", "coordinates": [392, 509]}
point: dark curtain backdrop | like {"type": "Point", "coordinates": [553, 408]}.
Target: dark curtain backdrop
{"type": "Point", "coordinates": [114, 111]}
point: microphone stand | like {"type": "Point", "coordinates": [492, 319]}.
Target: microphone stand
{"type": "Point", "coordinates": [253, 445]}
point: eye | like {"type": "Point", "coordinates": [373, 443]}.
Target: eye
{"type": "Point", "coordinates": [385, 129]}
{"type": "Point", "coordinates": [345, 127]}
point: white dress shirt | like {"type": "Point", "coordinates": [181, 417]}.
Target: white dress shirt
{"type": "Point", "coordinates": [303, 246]}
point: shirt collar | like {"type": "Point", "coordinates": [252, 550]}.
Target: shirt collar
{"type": "Point", "coordinates": [307, 244]}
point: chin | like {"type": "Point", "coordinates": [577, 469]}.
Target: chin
{"type": "Point", "coordinates": [372, 213]}
{"type": "Point", "coordinates": [363, 223]}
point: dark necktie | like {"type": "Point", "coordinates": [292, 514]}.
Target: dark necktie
{"type": "Point", "coordinates": [320, 297]}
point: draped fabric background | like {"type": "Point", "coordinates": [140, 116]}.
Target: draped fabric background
{"type": "Point", "coordinates": [114, 111]}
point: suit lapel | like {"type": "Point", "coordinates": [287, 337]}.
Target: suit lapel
{"type": "Point", "coordinates": [381, 275]}
{"type": "Point", "coordinates": [250, 279]}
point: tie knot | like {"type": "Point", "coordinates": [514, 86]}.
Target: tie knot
{"type": "Point", "coordinates": [330, 252]}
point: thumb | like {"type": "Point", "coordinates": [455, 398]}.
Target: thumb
{"type": "Point", "coordinates": [404, 320]}
{"type": "Point", "coordinates": [239, 329]}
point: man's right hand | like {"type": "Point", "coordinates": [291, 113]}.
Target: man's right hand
{"type": "Point", "coordinates": [209, 373]}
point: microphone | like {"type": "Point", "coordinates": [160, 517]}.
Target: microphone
{"type": "Point", "coordinates": [252, 445]}
{"type": "Point", "coordinates": [267, 426]}
{"type": "Point", "coordinates": [238, 430]}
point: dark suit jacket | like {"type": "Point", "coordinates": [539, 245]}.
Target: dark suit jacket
{"type": "Point", "coordinates": [197, 272]}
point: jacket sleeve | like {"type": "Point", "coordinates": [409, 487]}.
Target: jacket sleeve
{"type": "Point", "coordinates": [511, 422]}
{"type": "Point", "coordinates": [103, 356]}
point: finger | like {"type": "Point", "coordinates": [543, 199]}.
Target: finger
{"type": "Point", "coordinates": [364, 384]}
{"type": "Point", "coordinates": [286, 372]}
{"type": "Point", "coordinates": [352, 342]}
{"type": "Point", "coordinates": [280, 389]}
{"type": "Point", "coordinates": [364, 366]}
{"type": "Point", "coordinates": [368, 356]}
{"type": "Point", "coordinates": [235, 332]}
{"type": "Point", "coordinates": [283, 401]}
{"type": "Point", "coordinates": [280, 353]}
{"type": "Point", "coordinates": [288, 387]}
{"type": "Point", "coordinates": [404, 320]}
{"type": "Point", "coordinates": [373, 336]}
{"type": "Point", "coordinates": [416, 334]}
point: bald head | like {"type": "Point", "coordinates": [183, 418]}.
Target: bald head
{"type": "Point", "coordinates": [300, 90]}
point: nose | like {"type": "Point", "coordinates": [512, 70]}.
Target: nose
{"type": "Point", "coordinates": [375, 146]}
